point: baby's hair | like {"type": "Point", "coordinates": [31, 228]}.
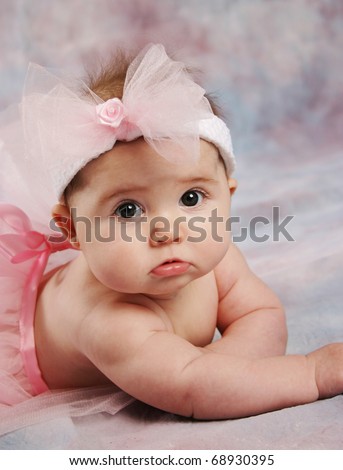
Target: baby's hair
{"type": "Point", "coordinates": [107, 81]}
{"type": "Point", "coordinates": [109, 78]}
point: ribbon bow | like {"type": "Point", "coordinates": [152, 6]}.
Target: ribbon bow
{"type": "Point", "coordinates": [20, 243]}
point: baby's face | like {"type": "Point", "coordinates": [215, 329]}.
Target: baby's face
{"type": "Point", "coordinates": [149, 226]}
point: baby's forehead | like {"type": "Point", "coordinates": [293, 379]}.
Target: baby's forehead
{"type": "Point", "coordinates": [128, 161]}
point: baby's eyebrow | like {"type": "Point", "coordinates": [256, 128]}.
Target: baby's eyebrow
{"type": "Point", "coordinates": [122, 191]}
{"type": "Point", "coordinates": [199, 179]}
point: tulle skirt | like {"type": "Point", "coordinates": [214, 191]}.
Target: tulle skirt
{"type": "Point", "coordinates": [15, 385]}
{"type": "Point", "coordinates": [24, 397]}
{"type": "Point", "coordinates": [20, 406]}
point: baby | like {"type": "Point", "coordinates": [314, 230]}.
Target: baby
{"type": "Point", "coordinates": [143, 175]}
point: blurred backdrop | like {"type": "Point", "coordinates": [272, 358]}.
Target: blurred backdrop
{"type": "Point", "coordinates": [276, 65]}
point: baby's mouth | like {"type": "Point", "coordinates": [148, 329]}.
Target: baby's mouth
{"type": "Point", "coordinates": [171, 267]}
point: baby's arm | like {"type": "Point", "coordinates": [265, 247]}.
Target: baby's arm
{"type": "Point", "coordinates": [250, 316]}
{"type": "Point", "coordinates": [131, 346]}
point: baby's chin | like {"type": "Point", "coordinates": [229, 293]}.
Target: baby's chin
{"type": "Point", "coordinates": [130, 293]}
{"type": "Point", "coordinates": [168, 295]}
{"type": "Point", "coordinates": [163, 293]}
{"type": "Point", "coordinates": [155, 292]}
{"type": "Point", "coordinates": [169, 290]}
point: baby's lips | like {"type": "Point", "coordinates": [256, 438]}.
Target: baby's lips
{"type": "Point", "coordinates": [173, 267]}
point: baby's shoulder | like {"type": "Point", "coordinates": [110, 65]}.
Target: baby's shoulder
{"type": "Point", "coordinates": [114, 326]}
{"type": "Point", "coordinates": [120, 312]}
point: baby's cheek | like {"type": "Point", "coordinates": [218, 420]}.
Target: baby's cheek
{"type": "Point", "coordinates": [218, 232]}
{"type": "Point", "coordinates": [207, 254]}
{"type": "Point", "coordinates": [117, 266]}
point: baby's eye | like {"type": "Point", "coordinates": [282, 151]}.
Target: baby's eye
{"type": "Point", "coordinates": [128, 210]}
{"type": "Point", "coordinates": [192, 198]}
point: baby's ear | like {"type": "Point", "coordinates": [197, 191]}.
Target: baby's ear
{"type": "Point", "coordinates": [232, 185]}
{"type": "Point", "coordinates": [63, 220]}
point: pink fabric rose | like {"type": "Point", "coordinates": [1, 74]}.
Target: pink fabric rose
{"type": "Point", "coordinates": [111, 113]}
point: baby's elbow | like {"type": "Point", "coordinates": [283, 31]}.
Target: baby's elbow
{"type": "Point", "coordinates": [200, 402]}
{"type": "Point", "coordinates": [203, 407]}
{"type": "Point", "coordinates": [193, 397]}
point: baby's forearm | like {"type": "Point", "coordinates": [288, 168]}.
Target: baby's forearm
{"type": "Point", "coordinates": [169, 373]}
{"type": "Point", "coordinates": [230, 387]}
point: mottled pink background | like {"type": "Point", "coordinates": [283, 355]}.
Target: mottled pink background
{"type": "Point", "coordinates": [277, 65]}
{"type": "Point", "coordinates": [277, 68]}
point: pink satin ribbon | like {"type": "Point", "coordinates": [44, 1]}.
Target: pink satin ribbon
{"type": "Point", "coordinates": [19, 245]}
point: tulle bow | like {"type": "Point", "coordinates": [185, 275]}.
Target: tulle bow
{"type": "Point", "coordinates": [66, 124]}
{"type": "Point", "coordinates": [20, 243]}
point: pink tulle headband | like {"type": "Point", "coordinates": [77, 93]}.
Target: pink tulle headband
{"type": "Point", "coordinates": [66, 125]}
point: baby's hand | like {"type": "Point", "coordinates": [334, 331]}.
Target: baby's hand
{"type": "Point", "coordinates": [328, 364]}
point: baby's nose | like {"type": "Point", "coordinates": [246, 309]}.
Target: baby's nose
{"type": "Point", "coordinates": [163, 232]}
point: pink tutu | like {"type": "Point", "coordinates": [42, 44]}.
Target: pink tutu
{"type": "Point", "coordinates": [15, 385]}
{"type": "Point", "coordinates": [24, 396]}
{"type": "Point", "coordinates": [23, 257]}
